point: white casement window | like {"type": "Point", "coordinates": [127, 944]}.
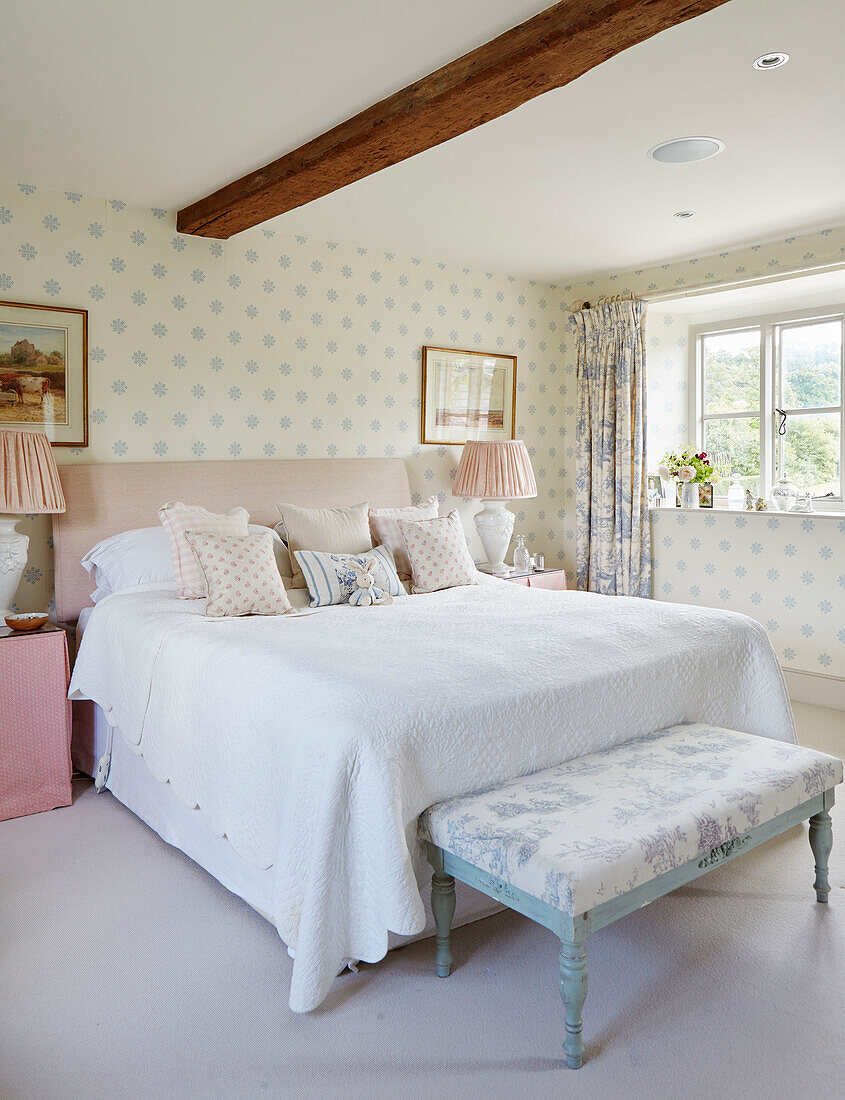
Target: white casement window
{"type": "Point", "coordinates": [767, 396]}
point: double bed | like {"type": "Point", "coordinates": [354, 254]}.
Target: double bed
{"type": "Point", "coordinates": [290, 756]}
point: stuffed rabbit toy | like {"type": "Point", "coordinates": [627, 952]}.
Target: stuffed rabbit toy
{"type": "Point", "coordinates": [366, 591]}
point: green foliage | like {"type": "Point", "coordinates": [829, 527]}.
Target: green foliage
{"type": "Point", "coordinates": [811, 379]}
{"type": "Point", "coordinates": [731, 381]}
{"type": "Point", "coordinates": [811, 451]}
{"type": "Point", "coordinates": [812, 385]}
{"type": "Point", "coordinates": [738, 438]}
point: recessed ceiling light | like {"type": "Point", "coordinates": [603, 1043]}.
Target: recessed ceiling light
{"type": "Point", "coordinates": [771, 60]}
{"type": "Point", "coordinates": [685, 150]}
{"type": "Point", "coordinates": [684, 214]}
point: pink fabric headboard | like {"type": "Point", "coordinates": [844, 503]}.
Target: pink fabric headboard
{"type": "Point", "coordinates": [106, 499]}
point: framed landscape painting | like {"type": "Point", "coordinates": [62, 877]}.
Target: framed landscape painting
{"type": "Point", "coordinates": [44, 371]}
{"type": "Point", "coordinates": [467, 395]}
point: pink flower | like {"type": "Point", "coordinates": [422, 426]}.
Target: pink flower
{"type": "Point", "coordinates": [686, 473]}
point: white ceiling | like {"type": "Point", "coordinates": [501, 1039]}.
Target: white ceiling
{"type": "Point", "coordinates": [163, 102]}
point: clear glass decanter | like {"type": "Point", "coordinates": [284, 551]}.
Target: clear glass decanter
{"type": "Point", "coordinates": [736, 495]}
{"type": "Point", "coordinates": [521, 557]}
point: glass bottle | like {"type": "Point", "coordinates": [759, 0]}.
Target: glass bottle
{"type": "Point", "coordinates": [521, 557]}
{"type": "Point", "coordinates": [736, 495]}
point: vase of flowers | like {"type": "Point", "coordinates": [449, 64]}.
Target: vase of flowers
{"type": "Point", "coordinates": [691, 469]}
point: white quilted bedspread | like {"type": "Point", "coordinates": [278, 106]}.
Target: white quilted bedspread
{"type": "Point", "coordinates": [313, 742]}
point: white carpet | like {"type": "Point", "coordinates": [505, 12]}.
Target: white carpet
{"type": "Point", "coordinates": [126, 971]}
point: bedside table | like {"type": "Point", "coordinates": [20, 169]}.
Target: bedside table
{"type": "Point", "coordinates": [553, 579]}
{"type": "Point", "coordinates": [35, 766]}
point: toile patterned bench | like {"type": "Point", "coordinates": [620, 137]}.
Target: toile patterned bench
{"type": "Point", "coordinates": [578, 846]}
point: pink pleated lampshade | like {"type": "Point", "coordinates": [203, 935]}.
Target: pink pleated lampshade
{"type": "Point", "coordinates": [29, 480]}
{"type": "Point", "coordinates": [495, 470]}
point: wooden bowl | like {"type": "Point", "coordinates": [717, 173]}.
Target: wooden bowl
{"type": "Point", "coordinates": [30, 620]}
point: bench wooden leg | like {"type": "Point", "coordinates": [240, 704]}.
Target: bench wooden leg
{"type": "Point", "coordinates": [821, 841]}
{"type": "Point", "coordinates": [573, 990]}
{"type": "Point", "coordinates": [443, 908]}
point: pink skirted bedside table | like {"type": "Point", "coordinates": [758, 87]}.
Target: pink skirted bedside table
{"type": "Point", "coordinates": [552, 579]}
{"type": "Point", "coordinates": [35, 767]}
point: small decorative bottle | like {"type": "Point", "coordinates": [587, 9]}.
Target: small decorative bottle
{"type": "Point", "coordinates": [784, 493]}
{"type": "Point", "coordinates": [521, 557]}
{"type": "Point", "coordinates": [736, 495]}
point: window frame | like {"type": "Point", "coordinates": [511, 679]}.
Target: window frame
{"type": "Point", "coordinates": [771, 325]}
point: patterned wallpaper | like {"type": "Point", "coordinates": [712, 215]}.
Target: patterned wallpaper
{"type": "Point", "coordinates": [667, 355]}
{"type": "Point", "coordinates": [277, 345]}
{"type": "Point", "coordinates": [274, 345]}
{"type": "Point", "coordinates": [788, 572]}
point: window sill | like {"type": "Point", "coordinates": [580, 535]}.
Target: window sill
{"type": "Point", "coordinates": [767, 513]}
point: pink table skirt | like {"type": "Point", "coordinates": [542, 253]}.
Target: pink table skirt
{"type": "Point", "coordinates": [35, 767]}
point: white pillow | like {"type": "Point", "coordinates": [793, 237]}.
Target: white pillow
{"type": "Point", "coordinates": [134, 557]}
{"type": "Point", "coordinates": [143, 556]}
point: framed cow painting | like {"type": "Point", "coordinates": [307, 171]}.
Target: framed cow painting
{"type": "Point", "coordinates": [44, 371]}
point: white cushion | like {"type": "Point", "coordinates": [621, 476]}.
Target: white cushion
{"type": "Point", "coordinates": [331, 530]}
{"type": "Point", "coordinates": [385, 530]}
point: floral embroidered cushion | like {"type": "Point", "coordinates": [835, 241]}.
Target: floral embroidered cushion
{"type": "Point", "coordinates": [331, 579]}
{"type": "Point", "coordinates": [331, 530]}
{"type": "Point", "coordinates": [385, 530]}
{"type": "Point", "coordinates": [178, 518]}
{"type": "Point", "coordinates": [239, 573]}
{"type": "Point", "coordinates": [437, 553]}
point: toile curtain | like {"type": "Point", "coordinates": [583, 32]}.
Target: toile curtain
{"type": "Point", "coordinates": [613, 546]}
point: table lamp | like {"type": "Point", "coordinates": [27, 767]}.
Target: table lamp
{"type": "Point", "coordinates": [495, 472]}
{"type": "Point", "coordinates": [29, 484]}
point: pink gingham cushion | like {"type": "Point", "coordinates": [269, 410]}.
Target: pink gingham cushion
{"type": "Point", "coordinates": [240, 574]}
{"type": "Point", "coordinates": [437, 553]}
{"type": "Point", "coordinates": [177, 518]}
{"type": "Point", "coordinates": [385, 531]}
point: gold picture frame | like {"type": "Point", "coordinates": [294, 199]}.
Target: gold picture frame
{"type": "Point", "coordinates": [44, 371]}
{"type": "Point", "coordinates": [467, 395]}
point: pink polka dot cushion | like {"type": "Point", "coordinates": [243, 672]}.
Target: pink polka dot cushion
{"type": "Point", "coordinates": [385, 530]}
{"type": "Point", "coordinates": [437, 553]}
{"type": "Point", "coordinates": [177, 518]}
{"type": "Point", "coordinates": [240, 574]}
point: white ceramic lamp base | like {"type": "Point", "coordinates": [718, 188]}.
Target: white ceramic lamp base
{"type": "Point", "coordinates": [13, 550]}
{"type": "Point", "coordinates": [494, 524]}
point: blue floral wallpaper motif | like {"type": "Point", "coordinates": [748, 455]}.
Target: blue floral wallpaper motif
{"type": "Point", "coordinates": [786, 571]}
{"type": "Point", "coordinates": [270, 345]}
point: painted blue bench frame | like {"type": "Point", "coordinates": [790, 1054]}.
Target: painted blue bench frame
{"type": "Point", "coordinates": [574, 931]}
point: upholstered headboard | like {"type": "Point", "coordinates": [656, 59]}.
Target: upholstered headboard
{"type": "Point", "coordinates": [106, 499]}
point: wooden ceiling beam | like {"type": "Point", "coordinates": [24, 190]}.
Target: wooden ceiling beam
{"type": "Point", "coordinates": [545, 52]}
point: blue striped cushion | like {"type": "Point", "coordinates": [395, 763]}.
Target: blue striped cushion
{"type": "Point", "coordinates": [330, 579]}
